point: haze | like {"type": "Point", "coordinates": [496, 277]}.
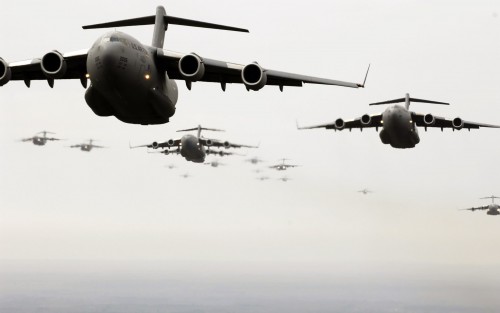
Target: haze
{"type": "Point", "coordinates": [114, 230]}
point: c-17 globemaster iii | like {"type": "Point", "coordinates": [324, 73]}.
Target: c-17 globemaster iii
{"type": "Point", "coordinates": [194, 148]}
{"type": "Point", "coordinates": [399, 124]}
{"type": "Point", "coordinates": [87, 146]}
{"type": "Point", "coordinates": [282, 166]}
{"type": "Point", "coordinates": [136, 82]}
{"type": "Point", "coordinates": [40, 140]}
{"type": "Point", "coordinates": [493, 208]}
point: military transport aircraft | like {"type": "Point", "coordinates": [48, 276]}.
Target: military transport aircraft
{"type": "Point", "coordinates": [282, 166]}
{"type": "Point", "coordinates": [215, 163]}
{"type": "Point", "coordinates": [135, 82]}
{"type": "Point", "coordinates": [284, 179]}
{"type": "Point", "coordinates": [262, 178]}
{"type": "Point", "coordinates": [493, 208]}
{"type": "Point", "coordinates": [399, 124]}
{"type": "Point", "coordinates": [87, 146]}
{"type": "Point", "coordinates": [40, 140]}
{"type": "Point", "coordinates": [254, 160]}
{"type": "Point", "coordinates": [171, 166]}
{"type": "Point", "coordinates": [365, 191]}
{"type": "Point", "coordinates": [194, 148]}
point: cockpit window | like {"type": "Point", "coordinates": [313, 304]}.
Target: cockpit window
{"type": "Point", "coordinates": [119, 39]}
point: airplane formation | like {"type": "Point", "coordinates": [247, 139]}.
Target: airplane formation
{"type": "Point", "coordinates": [137, 84]}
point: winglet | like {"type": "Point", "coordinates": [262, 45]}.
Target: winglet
{"type": "Point", "coordinates": [366, 76]}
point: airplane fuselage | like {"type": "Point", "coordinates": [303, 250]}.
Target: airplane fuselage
{"type": "Point", "coordinates": [399, 130]}
{"type": "Point", "coordinates": [192, 150]}
{"type": "Point", "coordinates": [493, 209]}
{"type": "Point", "coordinates": [126, 83]}
{"type": "Point", "coordinates": [39, 141]}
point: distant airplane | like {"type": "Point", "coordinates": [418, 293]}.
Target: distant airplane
{"type": "Point", "coordinates": [194, 148]}
{"type": "Point", "coordinates": [284, 179]}
{"type": "Point", "coordinates": [170, 166]}
{"type": "Point", "coordinates": [493, 208]}
{"type": "Point", "coordinates": [262, 178]}
{"type": "Point", "coordinates": [136, 82]}
{"type": "Point", "coordinates": [215, 163]}
{"type": "Point", "coordinates": [40, 140]}
{"type": "Point", "coordinates": [282, 166]}
{"type": "Point", "coordinates": [87, 146]}
{"type": "Point", "coordinates": [254, 160]}
{"type": "Point", "coordinates": [365, 191]}
{"type": "Point", "coordinates": [185, 175]}
{"type": "Point", "coordinates": [399, 125]}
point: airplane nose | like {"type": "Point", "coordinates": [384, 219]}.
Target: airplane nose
{"type": "Point", "coordinates": [109, 54]}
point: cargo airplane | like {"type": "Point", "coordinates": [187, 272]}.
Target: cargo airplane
{"type": "Point", "coordinates": [135, 82]}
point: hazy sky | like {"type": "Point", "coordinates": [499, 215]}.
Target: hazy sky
{"type": "Point", "coordinates": [116, 204]}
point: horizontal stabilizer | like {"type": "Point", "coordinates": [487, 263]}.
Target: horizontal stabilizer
{"type": "Point", "coordinates": [402, 100]}
{"type": "Point", "coordinates": [201, 128]}
{"type": "Point", "coordinates": [150, 20]}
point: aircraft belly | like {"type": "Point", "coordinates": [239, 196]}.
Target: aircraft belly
{"type": "Point", "coordinates": [399, 129]}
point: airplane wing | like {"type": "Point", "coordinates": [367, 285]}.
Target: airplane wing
{"type": "Point", "coordinates": [441, 122]}
{"type": "Point", "coordinates": [155, 145]}
{"type": "Point", "coordinates": [53, 139]}
{"type": "Point", "coordinates": [226, 72]}
{"type": "Point", "coordinates": [75, 146]}
{"type": "Point", "coordinates": [96, 146]}
{"type": "Point", "coordinates": [374, 121]}
{"type": "Point", "coordinates": [76, 67]}
{"type": "Point", "coordinates": [222, 144]}
{"type": "Point", "coordinates": [478, 208]}
{"type": "Point", "coordinates": [27, 139]}
{"type": "Point", "coordinates": [220, 153]}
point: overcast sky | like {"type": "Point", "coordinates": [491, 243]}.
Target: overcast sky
{"type": "Point", "coordinates": [120, 204]}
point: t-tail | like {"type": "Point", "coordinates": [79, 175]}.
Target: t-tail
{"type": "Point", "coordinates": [161, 21]}
{"type": "Point", "coordinates": [492, 198]}
{"type": "Point", "coordinates": [199, 129]}
{"type": "Point", "coordinates": [407, 100]}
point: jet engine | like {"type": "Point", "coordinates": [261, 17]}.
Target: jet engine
{"type": "Point", "coordinates": [366, 120]}
{"type": "Point", "coordinates": [170, 142]}
{"type": "Point", "coordinates": [254, 77]}
{"type": "Point", "coordinates": [154, 145]}
{"type": "Point", "coordinates": [227, 144]}
{"type": "Point", "coordinates": [209, 142]}
{"type": "Point", "coordinates": [429, 119]}
{"type": "Point", "coordinates": [457, 123]}
{"type": "Point", "coordinates": [192, 67]}
{"type": "Point", "coordinates": [53, 65]}
{"type": "Point", "coordinates": [5, 72]}
{"type": "Point", "coordinates": [339, 124]}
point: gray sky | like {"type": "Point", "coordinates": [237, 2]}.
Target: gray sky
{"type": "Point", "coordinates": [117, 204]}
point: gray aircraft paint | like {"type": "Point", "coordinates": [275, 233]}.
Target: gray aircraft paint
{"type": "Point", "coordinates": [40, 140]}
{"type": "Point", "coordinates": [130, 80]}
{"type": "Point", "coordinates": [399, 125]}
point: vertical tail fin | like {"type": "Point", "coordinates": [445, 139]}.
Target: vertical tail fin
{"type": "Point", "coordinates": [160, 27]}
{"type": "Point", "coordinates": [407, 101]}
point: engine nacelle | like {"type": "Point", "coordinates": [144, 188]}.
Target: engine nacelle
{"type": "Point", "coordinates": [5, 72]}
{"type": "Point", "coordinates": [227, 144]}
{"type": "Point", "coordinates": [154, 145]}
{"type": "Point", "coordinates": [339, 124]}
{"type": "Point", "coordinates": [192, 67]}
{"type": "Point", "coordinates": [170, 142]}
{"type": "Point", "coordinates": [457, 123]}
{"type": "Point", "coordinates": [366, 120]}
{"type": "Point", "coordinates": [429, 119]}
{"type": "Point", "coordinates": [209, 142]}
{"type": "Point", "coordinates": [254, 77]}
{"type": "Point", "coordinates": [53, 65]}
